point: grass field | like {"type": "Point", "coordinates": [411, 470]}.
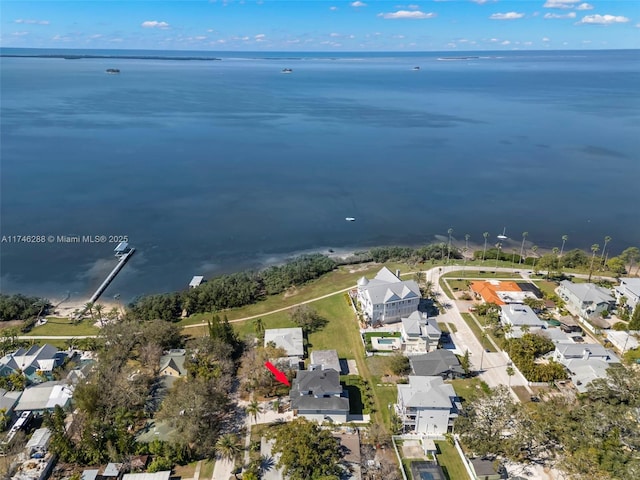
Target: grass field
{"type": "Point", "coordinates": [341, 278]}
{"type": "Point", "coordinates": [477, 331]}
{"type": "Point", "coordinates": [64, 327]}
{"type": "Point", "coordinates": [450, 461]}
{"type": "Point", "coordinates": [468, 388]}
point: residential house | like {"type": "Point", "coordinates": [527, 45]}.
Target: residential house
{"type": "Point", "coordinates": [565, 352]}
{"type": "Point", "coordinates": [557, 335]}
{"type": "Point", "coordinates": [291, 341]}
{"type": "Point", "coordinates": [586, 300]}
{"type": "Point", "coordinates": [39, 442]}
{"type": "Point", "coordinates": [113, 471]}
{"type": "Point", "coordinates": [441, 363]}
{"type": "Point", "coordinates": [518, 316]}
{"type": "Point", "coordinates": [173, 363]}
{"type": "Point", "coordinates": [44, 397]}
{"type": "Point", "coordinates": [36, 363]}
{"type": "Point", "coordinates": [8, 401]}
{"type": "Point", "coordinates": [629, 288]}
{"type": "Point", "coordinates": [501, 293]}
{"type": "Point", "coordinates": [419, 334]}
{"type": "Point", "coordinates": [427, 405]}
{"type": "Point", "coordinates": [624, 341]}
{"type": "Point", "coordinates": [583, 372]}
{"type": "Point", "coordinates": [386, 299]}
{"type": "Point", "coordinates": [324, 360]}
{"type": "Point", "coordinates": [317, 395]}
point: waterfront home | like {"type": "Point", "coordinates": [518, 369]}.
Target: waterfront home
{"type": "Point", "coordinates": [291, 341]}
{"type": "Point", "coordinates": [518, 316]}
{"type": "Point", "coordinates": [419, 334]}
{"type": "Point", "coordinates": [35, 363]}
{"type": "Point", "coordinates": [44, 397]}
{"type": "Point", "coordinates": [386, 298]}
{"type": "Point", "coordinates": [629, 288]}
{"type": "Point", "coordinates": [318, 395]}
{"type": "Point", "coordinates": [566, 351]}
{"type": "Point", "coordinates": [173, 363]}
{"type": "Point", "coordinates": [427, 405]}
{"type": "Point", "coordinates": [586, 300]}
{"type": "Point", "coordinates": [501, 293]}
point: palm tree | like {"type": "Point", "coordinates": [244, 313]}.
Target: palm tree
{"type": "Point", "coordinates": [99, 308]}
{"type": "Point", "coordinates": [594, 249]}
{"type": "Point", "coordinates": [464, 260]}
{"type": "Point", "coordinates": [466, 240]}
{"type": "Point", "coordinates": [498, 246]}
{"type": "Point", "coordinates": [88, 307]}
{"type": "Point", "coordinates": [607, 239]}
{"type": "Point", "coordinates": [513, 257]}
{"type": "Point", "coordinates": [524, 237]}
{"type": "Point", "coordinates": [428, 289]}
{"type": "Point", "coordinates": [534, 249]}
{"type": "Point", "coordinates": [258, 326]}
{"type": "Point", "coordinates": [228, 446]}
{"type": "Point", "coordinates": [254, 409]}
{"type": "Point", "coordinates": [511, 372]}
{"type": "Point", "coordinates": [450, 231]}
{"type": "Point", "coordinates": [486, 236]}
{"type": "Point", "coordinates": [564, 240]}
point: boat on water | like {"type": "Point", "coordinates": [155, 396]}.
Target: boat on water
{"type": "Point", "coordinates": [113, 71]}
{"type": "Point", "coordinates": [287, 70]}
{"type": "Point", "coordinates": [350, 219]}
{"type": "Point", "coordinates": [504, 234]}
{"type": "Point", "coordinates": [416, 68]}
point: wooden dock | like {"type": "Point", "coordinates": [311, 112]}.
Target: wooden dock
{"type": "Point", "coordinates": [123, 259]}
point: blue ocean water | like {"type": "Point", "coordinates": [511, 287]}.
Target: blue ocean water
{"type": "Point", "coordinates": [215, 166]}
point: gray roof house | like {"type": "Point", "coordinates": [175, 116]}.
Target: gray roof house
{"type": "Point", "coordinates": [585, 351]}
{"type": "Point", "coordinates": [317, 395]}
{"type": "Point", "coordinates": [31, 361]}
{"type": "Point", "coordinates": [8, 400]}
{"type": "Point", "coordinates": [427, 405]}
{"type": "Point", "coordinates": [442, 363]}
{"type": "Point", "coordinates": [517, 316]}
{"type": "Point", "coordinates": [44, 397]}
{"type": "Point", "coordinates": [586, 300]}
{"type": "Point", "coordinates": [419, 334]}
{"type": "Point", "coordinates": [630, 288]}
{"type": "Point", "coordinates": [386, 298]}
{"type": "Point", "coordinates": [583, 372]}
{"type": "Point", "coordinates": [324, 360]}
{"type": "Point", "coordinates": [290, 339]}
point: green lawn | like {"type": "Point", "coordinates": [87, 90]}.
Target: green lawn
{"type": "Point", "coordinates": [488, 273]}
{"type": "Point", "coordinates": [477, 331]}
{"type": "Point", "coordinates": [385, 395]}
{"type": "Point", "coordinates": [339, 279]}
{"type": "Point", "coordinates": [468, 388]}
{"type": "Point", "coordinates": [450, 461]}
{"type": "Point", "coordinates": [206, 470]}
{"type": "Point", "coordinates": [459, 285]}
{"type": "Point", "coordinates": [445, 287]}
{"type": "Point", "coordinates": [64, 327]}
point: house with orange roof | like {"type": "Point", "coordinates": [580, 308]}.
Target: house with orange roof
{"type": "Point", "coordinates": [500, 293]}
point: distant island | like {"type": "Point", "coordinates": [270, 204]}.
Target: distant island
{"type": "Point", "coordinates": [124, 57]}
{"type": "Point", "coordinates": [458, 58]}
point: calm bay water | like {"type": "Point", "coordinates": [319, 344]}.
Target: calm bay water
{"type": "Point", "coordinates": [215, 166]}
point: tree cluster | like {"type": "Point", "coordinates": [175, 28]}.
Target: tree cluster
{"type": "Point", "coordinates": [434, 251]}
{"type": "Point", "coordinates": [307, 318]}
{"type": "Point", "coordinates": [307, 451]}
{"type": "Point", "coordinates": [22, 307]}
{"type": "Point", "coordinates": [523, 352]}
{"type": "Point", "coordinates": [254, 377]}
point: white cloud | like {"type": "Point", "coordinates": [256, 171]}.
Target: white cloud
{"type": "Point", "coordinates": [557, 15]}
{"type": "Point", "coordinates": [603, 19]}
{"type": "Point", "coordinates": [637, 25]}
{"type": "Point", "coordinates": [31, 21]}
{"type": "Point", "coordinates": [411, 14]}
{"type": "Point", "coordinates": [560, 3]}
{"type": "Point", "coordinates": [154, 24]}
{"type": "Point", "coordinates": [20, 34]}
{"type": "Point", "coordinates": [259, 36]}
{"type": "Point", "coordinates": [96, 36]}
{"type": "Point", "coordinates": [546, 39]}
{"type": "Point", "coordinates": [210, 30]}
{"type": "Point", "coordinates": [413, 7]}
{"type": "Point", "coordinates": [528, 44]}
{"type": "Point", "coordinates": [60, 38]}
{"type": "Point", "coordinates": [333, 9]}
{"type": "Point", "coordinates": [452, 45]}
{"type": "Point", "coordinates": [584, 6]}
{"type": "Point", "coordinates": [506, 16]}
{"type": "Point", "coordinates": [200, 37]}
{"type": "Point", "coordinates": [482, 2]}
{"type": "Point", "coordinates": [506, 42]}
{"type": "Point", "coordinates": [493, 40]}
{"type": "Point", "coordinates": [358, 4]}
{"type": "Point", "coordinates": [334, 34]}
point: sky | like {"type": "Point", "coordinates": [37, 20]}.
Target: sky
{"type": "Point", "coordinates": [321, 25]}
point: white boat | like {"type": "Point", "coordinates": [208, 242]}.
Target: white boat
{"type": "Point", "coordinates": [287, 70]}
{"type": "Point", "coordinates": [416, 68]}
{"type": "Point", "coordinates": [350, 219]}
{"type": "Point", "coordinates": [503, 236]}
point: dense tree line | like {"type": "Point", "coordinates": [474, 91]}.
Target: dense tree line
{"type": "Point", "coordinates": [523, 352]}
{"type": "Point", "coordinates": [434, 251]}
{"type": "Point", "coordinates": [22, 307]}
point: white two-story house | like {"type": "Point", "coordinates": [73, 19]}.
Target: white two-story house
{"type": "Point", "coordinates": [419, 334]}
{"type": "Point", "coordinates": [585, 299]}
{"type": "Point", "coordinates": [630, 289]}
{"type": "Point", "coordinates": [427, 405]}
{"type": "Point", "coordinates": [386, 299]}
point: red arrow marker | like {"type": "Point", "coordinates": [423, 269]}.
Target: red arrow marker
{"type": "Point", "coordinates": [280, 376]}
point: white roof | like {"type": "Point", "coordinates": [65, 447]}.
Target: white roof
{"type": "Point", "coordinates": [588, 292]}
{"type": "Point", "coordinates": [518, 315]}
{"type": "Point", "coordinates": [632, 285]}
{"type": "Point", "coordinates": [556, 335]}
{"type": "Point", "coordinates": [595, 350]}
{"type": "Point", "coordinates": [196, 280]}
{"type": "Point", "coordinates": [426, 392]}
{"type": "Point", "coordinates": [415, 324]}
{"type": "Point", "coordinates": [583, 372]}
{"type": "Point", "coordinates": [39, 439]}
{"type": "Point", "coordinates": [288, 338]}
{"type": "Point", "coordinates": [164, 475]}
{"type": "Point", "coordinates": [386, 287]}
